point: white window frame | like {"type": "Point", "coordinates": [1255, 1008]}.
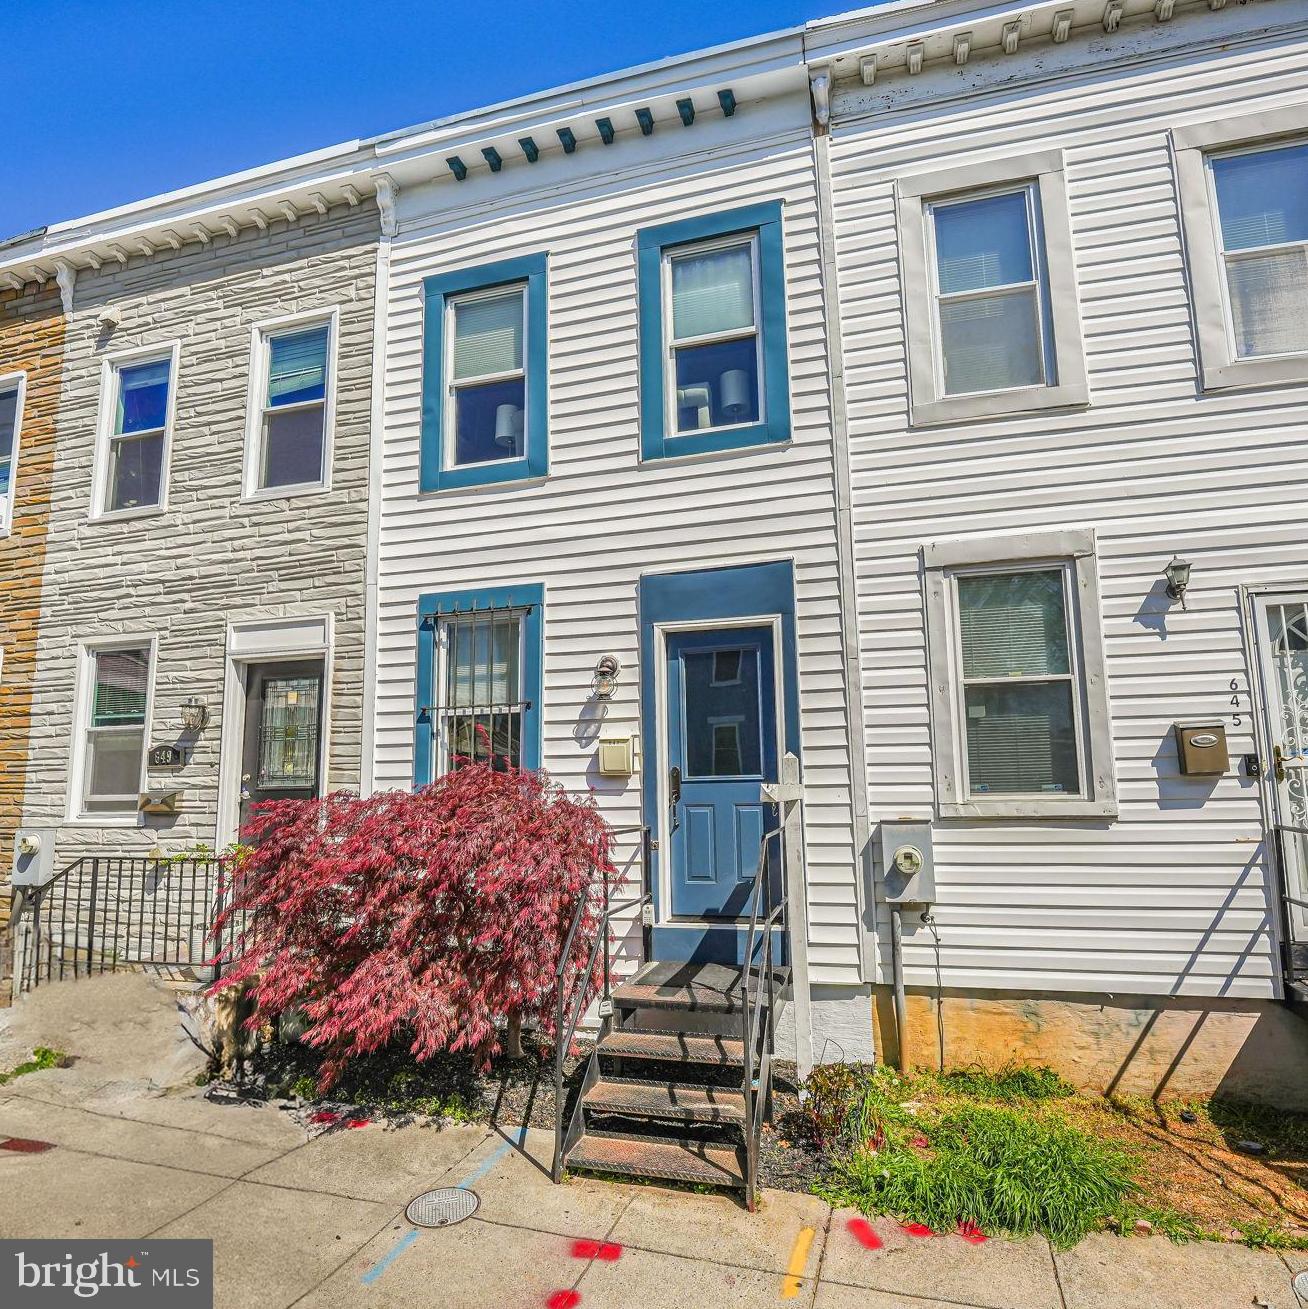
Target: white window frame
{"type": "Point", "coordinates": [109, 373]}
{"type": "Point", "coordinates": [1220, 368]}
{"type": "Point", "coordinates": [451, 387]}
{"type": "Point", "coordinates": [1042, 174]}
{"type": "Point", "coordinates": [1073, 551]}
{"type": "Point", "coordinates": [261, 335]}
{"type": "Point", "coordinates": [18, 382]}
{"type": "Point", "coordinates": [671, 344]}
{"type": "Point", "coordinates": [440, 729]}
{"type": "Point", "coordinates": [83, 699]}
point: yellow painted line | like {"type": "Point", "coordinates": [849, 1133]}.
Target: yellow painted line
{"type": "Point", "coordinates": [794, 1277]}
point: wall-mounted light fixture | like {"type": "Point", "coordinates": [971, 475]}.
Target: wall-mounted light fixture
{"type": "Point", "coordinates": [195, 714]}
{"type": "Point", "coordinates": [1178, 578]}
{"type": "Point", "coordinates": [605, 681]}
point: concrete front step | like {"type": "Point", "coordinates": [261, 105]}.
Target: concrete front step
{"type": "Point", "coordinates": [676, 1161]}
{"type": "Point", "coordinates": [666, 1100]}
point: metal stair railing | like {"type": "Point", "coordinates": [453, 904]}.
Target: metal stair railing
{"type": "Point", "coordinates": [116, 913]}
{"type": "Point", "coordinates": [759, 1031]}
{"type": "Point", "coordinates": [570, 1008]}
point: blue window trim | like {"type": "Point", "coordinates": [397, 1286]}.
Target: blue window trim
{"type": "Point", "coordinates": [531, 269]}
{"type": "Point", "coordinates": [656, 440]}
{"type": "Point", "coordinates": [433, 607]}
{"type": "Point", "coordinates": [742, 591]}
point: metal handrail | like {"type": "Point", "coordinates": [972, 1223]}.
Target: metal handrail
{"type": "Point", "coordinates": [757, 1089]}
{"type": "Point", "coordinates": [565, 1027]}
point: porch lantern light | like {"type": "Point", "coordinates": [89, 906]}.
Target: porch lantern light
{"type": "Point", "coordinates": [1178, 578]}
{"type": "Point", "coordinates": [195, 714]}
{"type": "Point", "coordinates": [605, 681]}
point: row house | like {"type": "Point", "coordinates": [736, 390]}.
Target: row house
{"type": "Point", "coordinates": [877, 446]}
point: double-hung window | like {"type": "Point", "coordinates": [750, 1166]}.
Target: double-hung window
{"type": "Point", "coordinates": [114, 731]}
{"type": "Point", "coordinates": [713, 362]}
{"type": "Point", "coordinates": [136, 444]}
{"type": "Point", "coordinates": [1243, 184]}
{"type": "Point", "coordinates": [989, 290]}
{"type": "Point", "coordinates": [288, 441]}
{"type": "Point", "coordinates": [11, 413]}
{"type": "Point", "coordinates": [484, 375]}
{"type": "Point", "coordinates": [1019, 706]}
{"type": "Point", "coordinates": [479, 669]}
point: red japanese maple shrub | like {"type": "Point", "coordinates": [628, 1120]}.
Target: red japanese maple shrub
{"type": "Point", "coordinates": [422, 916]}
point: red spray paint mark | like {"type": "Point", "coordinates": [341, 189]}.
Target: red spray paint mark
{"type": "Point", "coordinates": [563, 1300]}
{"type": "Point", "coordinates": [324, 1116]}
{"type": "Point", "coordinates": [916, 1229]}
{"type": "Point", "coordinates": [862, 1231]}
{"type": "Point", "coordinates": [359, 1122]}
{"type": "Point", "coordinates": [606, 1250]}
{"type": "Point", "coordinates": [971, 1233]}
{"type": "Point", "coordinates": [23, 1145]}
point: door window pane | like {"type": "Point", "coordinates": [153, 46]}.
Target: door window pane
{"type": "Point", "coordinates": [288, 733]}
{"type": "Point", "coordinates": [1013, 624]}
{"type": "Point", "coordinates": [1021, 739]}
{"type": "Point", "coordinates": [723, 728]}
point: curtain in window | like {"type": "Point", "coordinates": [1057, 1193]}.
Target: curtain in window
{"type": "Point", "coordinates": [712, 292]}
{"type": "Point", "coordinates": [1013, 625]}
{"type": "Point", "coordinates": [121, 683]}
{"type": "Point", "coordinates": [297, 367]}
{"type": "Point", "coordinates": [483, 661]}
{"type": "Point", "coordinates": [488, 335]}
{"type": "Point", "coordinates": [143, 397]}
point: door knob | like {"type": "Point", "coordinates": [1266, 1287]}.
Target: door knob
{"type": "Point", "coordinates": [674, 795]}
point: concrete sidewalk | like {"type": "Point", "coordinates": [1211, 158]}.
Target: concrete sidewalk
{"type": "Point", "coordinates": [320, 1222]}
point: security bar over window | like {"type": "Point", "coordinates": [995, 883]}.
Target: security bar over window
{"type": "Point", "coordinates": [481, 710]}
{"type": "Point", "coordinates": [1262, 203]}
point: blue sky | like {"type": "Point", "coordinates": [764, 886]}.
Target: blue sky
{"type": "Point", "coordinates": [109, 101]}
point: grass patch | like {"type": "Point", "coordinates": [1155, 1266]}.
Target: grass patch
{"type": "Point", "coordinates": [42, 1058]}
{"type": "Point", "coordinates": [995, 1166]}
{"type": "Point", "coordinates": [1264, 1235]}
{"type": "Point", "coordinates": [1010, 1083]}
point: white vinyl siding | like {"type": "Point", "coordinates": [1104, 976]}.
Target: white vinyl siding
{"type": "Point", "coordinates": [603, 518]}
{"type": "Point", "coordinates": [1168, 898]}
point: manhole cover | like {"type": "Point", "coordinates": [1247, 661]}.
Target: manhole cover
{"type": "Point", "coordinates": [449, 1204]}
{"type": "Point", "coordinates": [1301, 1287]}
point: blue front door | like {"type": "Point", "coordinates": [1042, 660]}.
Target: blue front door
{"type": "Point", "coordinates": [722, 747]}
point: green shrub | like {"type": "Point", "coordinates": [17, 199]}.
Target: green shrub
{"type": "Point", "coordinates": [42, 1058]}
{"type": "Point", "coordinates": [999, 1168]}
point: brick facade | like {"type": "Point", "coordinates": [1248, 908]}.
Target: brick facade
{"type": "Point", "coordinates": [211, 558]}
{"type": "Point", "coordinates": [31, 342]}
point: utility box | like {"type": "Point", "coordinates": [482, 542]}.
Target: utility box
{"type": "Point", "coordinates": [1201, 748]}
{"type": "Point", "coordinates": [908, 873]}
{"type": "Point", "coordinates": [33, 857]}
{"type": "Point", "coordinates": [617, 756]}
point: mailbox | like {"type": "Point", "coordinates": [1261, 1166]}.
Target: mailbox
{"type": "Point", "coordinates": [617, 756]}
{"type": "Point", "coordinates": [1201, 748]}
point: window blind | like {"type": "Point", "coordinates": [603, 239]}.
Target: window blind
{"type": "Point", "coordinates": [1021, 739]}
{"type": "Point", "coordinates": [483, 661]}
{"type": "Point", "coordinates": [991, 343]}
{"type": "Point", "coordinates": [488, 335]}
{"type": "Point", "coordinates": [1262, 198]}
{"type": "Point", "coordinates": [1269, 302]}
{"type": "Point", "coordinates": [983, 243]}
{"type": "Point", "coordinates": [297, 367]}
{"type": "Point", "coordinates": [1013, 624]}
{"type": "Point", "coordinates": [121, 684]}
{"type": "Point", "coordinates": [712, 292]}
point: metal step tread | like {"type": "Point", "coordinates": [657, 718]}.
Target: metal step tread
{"type": "Point", "coordinates": [661, 984]}
{"type": "Point", "coordinates": [675, 1047]}
{"type": "Point", "coordinates": [709, 1104]}
{"type": "Point", "coordinates": [676, 1161]}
